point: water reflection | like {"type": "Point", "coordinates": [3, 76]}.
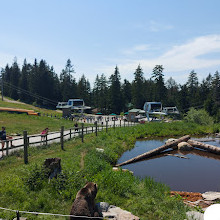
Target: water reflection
{"type": "Point", "coordinates": [198, 174]}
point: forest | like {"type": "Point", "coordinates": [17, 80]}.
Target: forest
{"type": "Point", "coordinates": [40, 85]}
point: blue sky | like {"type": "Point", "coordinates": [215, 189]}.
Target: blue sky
{"type": "Point", "coordinates": [97, 35]}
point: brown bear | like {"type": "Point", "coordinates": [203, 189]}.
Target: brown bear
{"type": "Point", "coordinates": [84, 203]}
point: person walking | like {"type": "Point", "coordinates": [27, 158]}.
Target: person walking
{"type": "Point", "coordinates": [3, 137]}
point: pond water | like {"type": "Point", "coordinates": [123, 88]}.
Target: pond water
{"type": "Point", "coordinates": [199, 173]}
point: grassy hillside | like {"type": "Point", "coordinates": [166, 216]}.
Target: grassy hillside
{"type": "Point", "coordinates": [25, 187]}
{"type": "Point", "coordinates": [21, 105]}
{"type": "Point", "coordinates": [17, 123]}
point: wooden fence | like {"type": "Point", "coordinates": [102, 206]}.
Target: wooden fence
{"type": "Point", "coordinates": [59, 136]}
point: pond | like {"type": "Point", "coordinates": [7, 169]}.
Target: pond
{"type": "Point", "coordinates": [198, 173]}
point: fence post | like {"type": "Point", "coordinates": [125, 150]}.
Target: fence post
{"type": "Point", "coordinates": [46, 139]}
{"type": "Point", "coordinates": [86, 130]}
{"type": "Point", "coordinates": [70, 133]}
{"type": "Point", "coordinates": [124, 123]}
{"type": "Point", "coordinates": [92, 129]}
{"type": "Point", "coordinates": [106, 126]}
{"type": "Point", "coordinates": [61, 137]}
{"type": "Point", "coordinates": [96, 128]}
{"type": "Point", "coordinates": [114, 124]}
{"type": "Point", "coordinates": [120, 122]}
{"type": "Point", "coordinates": [17, 215]}
{"type": "Point", "coordinates": [7, 142]}
{"type": "Point", "coordinates": [25, 147]}
{"type": "Point", "coordinates": [82, 132]}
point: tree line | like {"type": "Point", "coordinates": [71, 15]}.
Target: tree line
{"type": "Point", "coordinates": [38, 84]}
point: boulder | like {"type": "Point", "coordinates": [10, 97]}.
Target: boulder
{"type": "Point", "coordinates": [20, 218]}
{"type": "Point", "coordinates": [192, 215]}
{"type": "Point", "coordinates": [116, 213]}
{"type": "Point", "coordinates": [211, 196]}
{"type": "Point", "coordinates": [100, 150]}
{"type": "Point", "coordinates": [124, 170]}
{"type": "Point", "coordinates": [184, 146]}
{"type": "Point", "coordinates": [102, 207]}
{"type": "Point", "coordinates": [170, 140]}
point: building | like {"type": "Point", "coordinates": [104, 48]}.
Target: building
{"type": "Point", "coordinates": [135, 114]}
{"type": "Point", "coordinates": [73, 105]}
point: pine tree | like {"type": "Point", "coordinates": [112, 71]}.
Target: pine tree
{"type": "Point", "coordinates": [68, 83]}
{"type": "Point", "coordinates": [138, 88]}
{"type": "Point", "coordinates": [14, 79]}
{"type": "Point", "coordinates": [127, 95]}
{"type": "Point", "coordinates": [172, 92]}
{"type": "Point", "coordinates": [192, 85]}
{"type": "Point", "coordinates": [115, 92]}
{"type": "Point", "coordinates": [83, 88]}
{"type": "Point", "coordinates": [160, 89]}
{"type": "Point", "coordinates": [23, 82]}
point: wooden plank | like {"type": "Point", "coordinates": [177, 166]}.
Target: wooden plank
{"type": "Point", "coordinates": [208, 147]}
{"type": "Point", "coordinates": [155, 151]}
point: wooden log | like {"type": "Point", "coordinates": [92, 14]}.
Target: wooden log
{"type": "Point", "coordinates": [208, 147]}
{"type": "Point", "coordinates": [155, 151]}
{"type": "Point", "coordinates": [176, 155]}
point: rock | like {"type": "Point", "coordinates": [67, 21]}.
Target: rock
{"type": "Point", "coordinates": [193, 215]}
{"type": "Point", "coordinates": [53, 165]}
{"type": "Point", "coordinates": [124, 170]}
{"type": "Point", "coordinates": [211, 196]}
{"type": "Point", "coordinates": [100, 150]}
{"type": "Point", "coordinates": [184, 146]}
{"type": "Point", "coordinates": [102, 206]}
{"type": "Point", "coordinates": [20, 218]}
{"type": "Point", "coordinates": [117, 213]}
{"type": "Point", "coordinates": [170, 140]}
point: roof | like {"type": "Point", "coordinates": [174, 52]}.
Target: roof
{"type": "Point", "coordinates": [134, 110]}
{"type": "Point", "coordinates": [142, 112]}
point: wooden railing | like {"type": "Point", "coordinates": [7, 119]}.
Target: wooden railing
{"type": "Point", "coordinates": [35, 140]}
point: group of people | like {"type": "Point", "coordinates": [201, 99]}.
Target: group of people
{"type": "Point", "coordinates": [4, 137]}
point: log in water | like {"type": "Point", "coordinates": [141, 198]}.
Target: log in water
{"type": "Point", "coordinates": [155, 151]}
{"type": "Point", "coordinates": [208, 147]}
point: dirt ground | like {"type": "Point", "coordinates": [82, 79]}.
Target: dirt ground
{"type": "Point", "coordinates": [192, 198]}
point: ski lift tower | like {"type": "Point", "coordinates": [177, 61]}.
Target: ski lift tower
{"type": "Point", "coordinates": [153, 108]}
{"type": "Point", "coordinates": [72, 105]}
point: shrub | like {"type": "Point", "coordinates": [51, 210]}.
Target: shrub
{"type": "Point", "coordinates": [200, 117]}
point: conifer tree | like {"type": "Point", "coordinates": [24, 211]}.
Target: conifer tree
{"type": "Point", "coordinates": [127, 95]}
{"type": "Point", "coordinates": [138, 88]}
{"type": "Point", "coordinates": [68, 83]}
{"type": "Point", "coordinates": [115, 95]}
{"type": "Point", "coordinates": [14, 79]}
{"type": "Point", "coordinates": [23, 82]}
{"type": "Point", "coordinates": [160, 89]}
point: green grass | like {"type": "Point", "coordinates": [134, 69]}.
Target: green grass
{"type": "Point", "coordinates": [17, 123]}
{"type": "Point", "coordinates": [25, 187]}
{"type": "Point", "coordinates": [29, 107]}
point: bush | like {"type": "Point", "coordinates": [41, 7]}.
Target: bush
{"type": "Point", "coordinates": [200, 117]}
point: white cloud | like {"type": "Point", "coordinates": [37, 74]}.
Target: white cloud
{"type": "Point", "coordinates": [137, 48]}
{"type": "Point", "coordinates": [156, 27]}
{"type": "Point", "coordinates": [180, 58]}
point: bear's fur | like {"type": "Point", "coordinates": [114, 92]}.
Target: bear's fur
{"type": "Point", "coordinates": [84, 203]}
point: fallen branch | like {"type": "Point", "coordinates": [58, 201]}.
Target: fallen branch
{"type": "Point", "coordinates": [155, 151]}
{"type": "Point", "coordinates": [208, 147]}
{"type": "Point", "coordinates": [176, 155]}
